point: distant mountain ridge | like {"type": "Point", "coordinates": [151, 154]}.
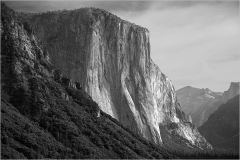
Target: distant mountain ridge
{"type": "Point", "coordinates": [201, 103]}
{"type": "Point", "coordinates": [198, 103]}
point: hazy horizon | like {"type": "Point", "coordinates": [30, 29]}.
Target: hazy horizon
{"type": "Point", "coordinates": [195, 43]}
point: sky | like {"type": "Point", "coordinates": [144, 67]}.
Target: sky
{"type": "Point", "coordinates": [195, 43]}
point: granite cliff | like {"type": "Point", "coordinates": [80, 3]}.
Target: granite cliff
{"type": "Point", "coordinates": [110, 58]}
{"type": "Point", "coordinates": [45, 115]}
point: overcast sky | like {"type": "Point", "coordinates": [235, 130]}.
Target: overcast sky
{"type": "Point", "coordinates": [195, 43]}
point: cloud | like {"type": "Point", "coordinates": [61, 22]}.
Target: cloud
{"type": "Point", "coordinates": [227, 58]}
{"type": "Point", "coordinates": [43, 6]}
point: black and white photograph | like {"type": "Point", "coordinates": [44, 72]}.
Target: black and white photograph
{"type": "Point", "coordinates": [111, 79]}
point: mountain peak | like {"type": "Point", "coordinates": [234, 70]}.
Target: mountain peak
{"type": "Point", "coordinates": [231, 92]}
{"type": "Point", "coordinates": [194, 101]}
{"type": "Point", "coordinates": [234, 84]}
{"type": "Point", "coordinates": [207, 89]}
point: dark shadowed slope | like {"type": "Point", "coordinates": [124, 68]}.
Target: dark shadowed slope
{"type": "Point", "coordinates": [46, 115]}
{"type": "Point", "coordinates": [222, 127]}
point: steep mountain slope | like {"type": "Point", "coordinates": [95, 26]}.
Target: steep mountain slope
{"type": "Point", "coordinates": [111, 59]}
{"type": "Point", "coordinates": [45, 115]}
{"type": "Point", "coordinates": [222, 127]}
{"type": "Point", "coordinates": [198, 103]}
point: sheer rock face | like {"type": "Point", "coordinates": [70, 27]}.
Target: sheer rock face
{"type": "Point", "coordinates": [111, 60]}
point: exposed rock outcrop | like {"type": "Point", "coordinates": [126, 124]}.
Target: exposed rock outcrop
{"type": "Point", "coordinates": [110, 58]}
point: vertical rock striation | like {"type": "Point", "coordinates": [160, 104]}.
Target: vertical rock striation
{"type": "Point", "coordinates": [110, 58]}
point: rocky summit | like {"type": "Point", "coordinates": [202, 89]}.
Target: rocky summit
{"type": "Point", "coordinates": [109, 58]}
